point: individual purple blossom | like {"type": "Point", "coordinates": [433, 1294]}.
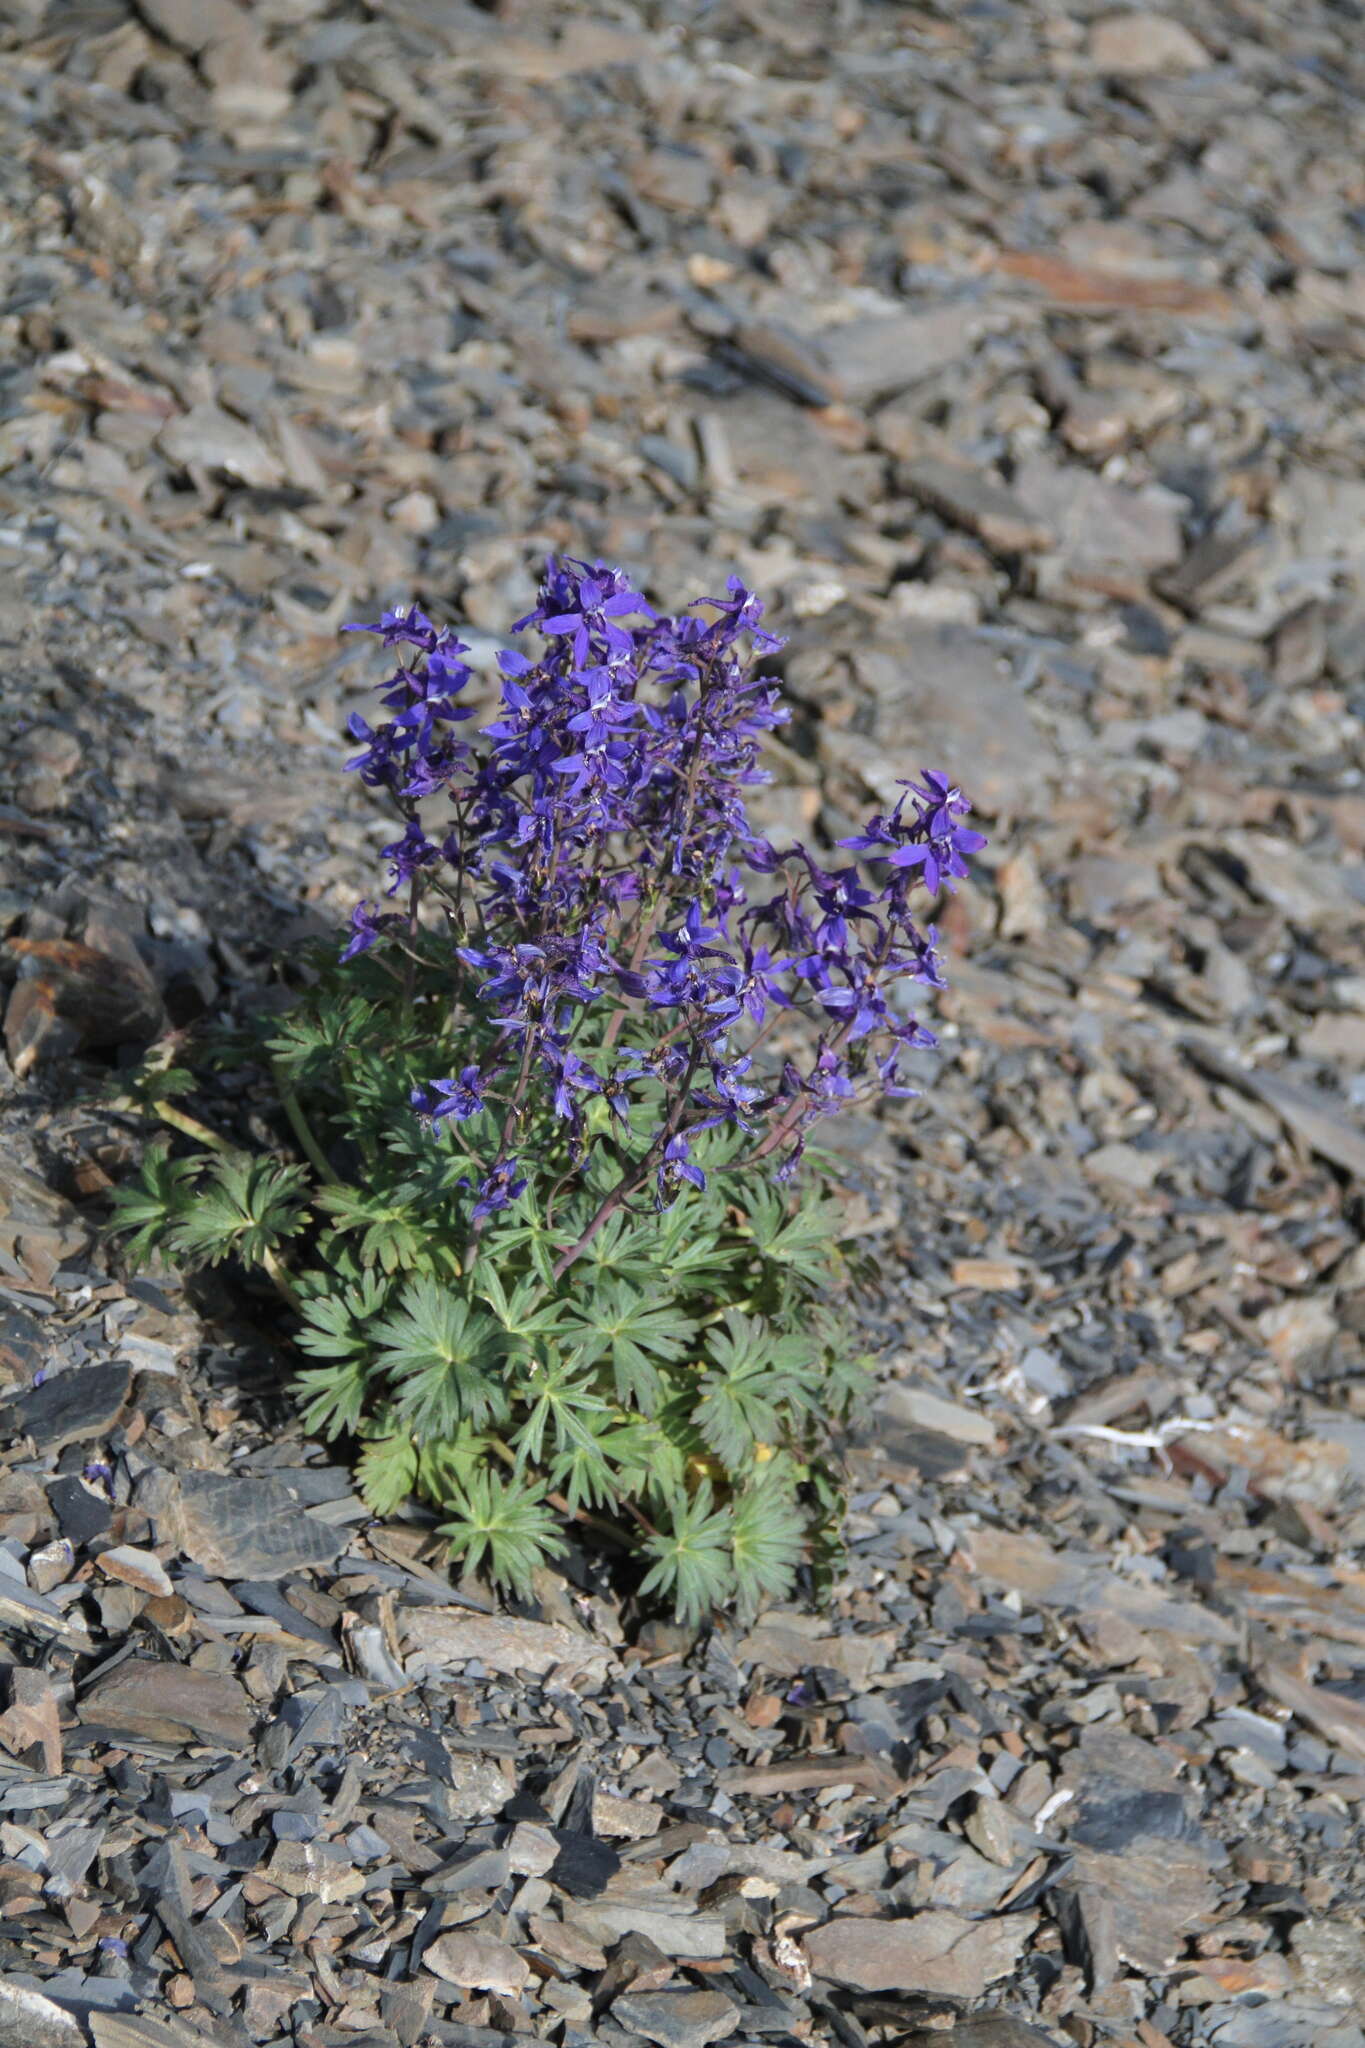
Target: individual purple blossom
{"type": "Point", "coordinates": [933, 840]}
{"type": "Point", "coordinates": [677, 1164]}
{"type": "Point", "coordinates": [411, 628]}
{"type": "Point", "coordinates": [409, 855]}
{"type": "Point", "coordinates": [458, 1099]}
{"type": "Point", "coordinates": [590, 601]}
{"type": "Point", "coordinates": [366, 927]}
{"type": "Point", "coordinates": [499, 1189]}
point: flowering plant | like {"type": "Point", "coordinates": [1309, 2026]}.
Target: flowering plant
{"type": "Point", "coordinates": [549, 1099]}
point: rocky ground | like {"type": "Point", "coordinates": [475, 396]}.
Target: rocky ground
{"type": "Point", "coordinates": [1015, 352]}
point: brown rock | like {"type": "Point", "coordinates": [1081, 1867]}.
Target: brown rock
{"type": "Point", "coordinates": [31, 1720]}
{"type": "Point", "coordinates": [476, 1962]}
{"type": "Point", "coordinates": [140, 1568]}
{"type": "Point", "coordinates": [977, 501]}
{"type": "Point", "coordinates": [1102, 525]}
{"type": "Point", "coordinates": [208, 438]}
{"type": "Point", "coordinates": [47, 756]}
{"type": "Point", "coordinates": [315, 1870]}
{"type": "Point", "coordinates": [455, 1635]}
{"type": "Point", "coordinates": [196, 25]}
{"type": "Point", "coordinates": [245, 1528]}
{"type": "Point", "coordinates": [939, 1952]}
{"type": "Point", "coordinates": [72, 995]}
{"type": "Point", "coordinates": [1100, 287]}
{"type": "Point", "coordinates": [677, 2018]}
{"type": "Point", "coordinates": [169, 1703]}
{"type": "Point", "coordinates": [1137, 45]}
{"type": "Point", "coordinates": [29, 2020]}
{"type": "Point", "coordinates": [950, 691]}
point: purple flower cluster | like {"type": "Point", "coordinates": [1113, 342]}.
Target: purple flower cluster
{"type": "Point", "coordinates": [629, 933]}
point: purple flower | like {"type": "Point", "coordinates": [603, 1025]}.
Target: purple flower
{"type": "Point", "coordinates": [411, 628]}
{"type": "Point", "coordinates": [365, 929]}
{"type": "Point", "coordinates": [933, 841]}
{"type": "Point", "coordinates": [499, 1189]}
{"type": "Point", "coordinates": [632, 951]}
{"type": "Point", "coordinates": [677, 1164]}
{"type": "Point", "coordinates": [459, 1099]}
{"type": "Point", "coordinates": [740, 612]}
{"type": "Point", "coordinates": [587, 605]}
{"type": "Point", "coordinates": [409, 855]}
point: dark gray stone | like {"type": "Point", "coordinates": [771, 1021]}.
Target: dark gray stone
{"type": "Point", "coordinates": [69, 1408]}
{"type": "Point", "coordinates": [245, 1528]}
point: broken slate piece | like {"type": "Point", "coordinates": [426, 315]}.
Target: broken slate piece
{"type": "Point", "coordinates": [453, 1635]}
{"type": "Point", "coordinates": [169, 1703]}
{"type": "Point", "coordinates": [476, 1962]}
{"type": "Point", "coordinates": [69, 1408]}
{"type": "Point", "coordinates": [28, 2020]}
{"type": "Point", "coordinates": [140, 2030]}
{"type": "Point", "coordinates": [140, 1568]}
{"type": "Point", "coordinates": [21, 1607]}
{"type": "Point", "coordinates": [23, 1346]}
{"type": "Point", "coordinates": [939, 1952]}
{"type": "Point", "coordinates": [982, 504]}
{"type": "Point", "coordinates": [584, 1866]}
{"type": "Point", "coordinates": [82, 1513]}
{"type": "Point", "coordinates": [1087, 1923]}
{"type": "Point", "coordinates": [677, 2019]}
{"type": "Point", "coordinates": [244, 1528]}
{"type": "Point", "coordinates": [989, 2030]}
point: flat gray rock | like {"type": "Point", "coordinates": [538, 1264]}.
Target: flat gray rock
{"type": "Point", "coordinates": [938, 1952]}
{"type": "Point", "coordinates": [249, 1528]}
{"type": "Point", "coordinates": [942, 694]}
{"type": "Point", "coordinates": [69, 1408]}
{"type": "Point", "coordinates": [677, 2019]}
{"type": "Point", "coordinates": [28, 2020]}
{"type": "Point", "coordinates": [169, 1703]}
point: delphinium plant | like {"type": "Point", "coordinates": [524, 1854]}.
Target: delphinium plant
{"type": "Point", "coordinates": [536, 1205]}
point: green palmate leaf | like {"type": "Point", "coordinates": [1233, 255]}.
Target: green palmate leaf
{"type": "Point", "coordinates": [624, 1249]}
{"type": "Point", "coordinates": [312, 1039]}
{"type": "Point", "coordinates": [243, 1208]}
{"type": "Point", "coordinates": [799, 1238]}
{"type": "Point", "coordinates": [338, 1324]}
{"type": "Point", "coordinates": [387, 1473]}
{"type": "Point", "coordinates": [594, 1471]}
{"type": "Point", "coordinates": [501, 1529]}
{"type": "Point", "coordinates": [389, 1224]}
{"type": "Point", "coordinates": [148, 1211]}
{"type": "Point", "coordinates": [445, 1358]}
{"type": "Point", "coordinates": [692, 1556]}
{"type": "Point", "coordinates": [615, 1321]}
{"type": "Point", "coordinates": [524, 1314]}
{"type": "Point", "coordinates": [527, 1232]}
{"type": "Point", "coordinates": [337, 1328]}
{"type": "Point", "coordinates": [651, 1455]}
{"type": "Point", "coordinates": [754, 1376]}
{"type": "Point", "coordinates": [446, 1467]}
{"type": "Point", "coordinates": [767, 1537]}
{"type": "Point", "coordinates": [333, 1396]}
{"type": "Point", "coordinates": [848, 1372]}
{"type": "Point", "coordinates": [689, 1247]}
{"type": "Point", "coordinates": [564, 1413]}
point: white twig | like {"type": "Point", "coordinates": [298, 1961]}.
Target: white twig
{"type": "Point", "coordinates": [1137, 1440]}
